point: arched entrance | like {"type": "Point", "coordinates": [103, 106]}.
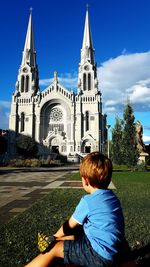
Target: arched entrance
{"type": "Point", "coordinates": [87, 146]}
{"type": "Point", "coordinates": [54, 145]}
{"type": "Point", "coordinates": [56, 126]}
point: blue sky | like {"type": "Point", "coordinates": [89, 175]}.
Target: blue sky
{"type": "Point", "coordinates": [121, 37]}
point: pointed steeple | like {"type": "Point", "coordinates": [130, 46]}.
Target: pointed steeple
{"type": "Point", "coordinates": [87, 51]}
{"type": "Point", "coordinates": [29, 48]}
{"type": "Point", "coordinates": [28, 81]}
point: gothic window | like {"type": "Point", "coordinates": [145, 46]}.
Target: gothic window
{"type": "Point", "coordinates": [22, 121]}
{"type": "Point", "coordinates": [22, 84]}
{"type": "Point", "coordinates": [27, 84]}
{"type": "Point", "coordinates": [89, 81]}
{"type": "Point", "coordinates": [84, 81]}
{"type": "Point", "coordinates": [87, 120]}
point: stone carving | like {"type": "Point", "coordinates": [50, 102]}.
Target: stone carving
{"type": "Point", "coordinates": [139, 133]}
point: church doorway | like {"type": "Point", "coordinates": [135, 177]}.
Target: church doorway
{"type": "Point", "coordinates": [87, 149]}
{"type": "Point", "coordinates": [55, 149]}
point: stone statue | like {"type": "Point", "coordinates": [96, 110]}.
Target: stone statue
{"type": "Point", "coordinates": [139, 133]}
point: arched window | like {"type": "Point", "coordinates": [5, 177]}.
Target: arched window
{"type": "Point", "coordinates": [87, 120]}
{"type": "Point", "coordinates": [22, 84]}
{"type": "Point", "coordinates": [22, 121]}
{"type": "Point", "coordinates": [27, 84]}
{"type": "Point", "coordinates": [89, 81]}
{"type": "Point", "coordinates": [84, 81]}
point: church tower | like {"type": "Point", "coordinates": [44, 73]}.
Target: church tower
{"type": "Point", "coordinates": [87, 80]}
{"type": "Point", "coordinates": [89, 118]}
{"type": "Point", "coordinates": [22, 118]}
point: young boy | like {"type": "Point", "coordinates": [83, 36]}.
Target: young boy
{"type": "Point", "coordinates": [100, 214]}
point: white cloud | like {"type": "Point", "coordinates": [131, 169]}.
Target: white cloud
{"type": "Point", "coordinates": [45, 82]}
{"type": "Point", "coordinates": [140, 92]}
{"type": "Point", "coordinates": [126, 76]}
{"type": "Point", "coordinates": [146, 138]}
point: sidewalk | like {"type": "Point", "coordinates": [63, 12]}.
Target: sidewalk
{"type": "Point", "coordinates": [20, 188]}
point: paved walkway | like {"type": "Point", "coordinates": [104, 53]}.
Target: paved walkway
{"type": "Point", "coordinates": [20, 188]}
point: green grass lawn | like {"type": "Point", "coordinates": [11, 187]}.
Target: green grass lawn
{"type": "Point", "coordinates": [18, 242]}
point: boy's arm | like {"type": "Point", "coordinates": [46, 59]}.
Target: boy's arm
{"type": "Point", "coordinates": [67, 228]}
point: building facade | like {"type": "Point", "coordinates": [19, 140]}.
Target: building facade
{"type": "Point", "coordinates": [60, 120]}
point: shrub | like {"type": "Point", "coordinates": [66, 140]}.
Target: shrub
{"type": "Point", "coordinates": [26, 146]}
{"type": "Point", "coordinates": [16, 163]}
{"type": "Point", "coordinates": [25, 163]}
{"type": "Point", "coordinates": [35, 163]}
{"type": "Point", "coordinates": [140, 167]}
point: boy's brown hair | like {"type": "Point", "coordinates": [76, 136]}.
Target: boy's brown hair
{"type": "Point", "coordinates": [97, 168]}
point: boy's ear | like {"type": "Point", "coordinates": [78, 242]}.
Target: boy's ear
{"type": "Point", "coordinates": [86, 180]}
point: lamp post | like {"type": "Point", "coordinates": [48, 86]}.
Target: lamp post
{"type": "Point", "coordinates": [108, 126]}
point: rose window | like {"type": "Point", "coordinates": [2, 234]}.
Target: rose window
{"type": "Point", "coordinates": [56, 115]}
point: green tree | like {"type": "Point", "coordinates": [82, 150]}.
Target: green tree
{"type": "Point", "coordinates": [116, 149]}
{"type": "Point", "coordinates": [129, 141]}
{"type": "Point", "coordinates": [26, 146]}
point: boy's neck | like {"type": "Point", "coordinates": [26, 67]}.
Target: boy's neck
{"type": "Point", "coordinates": [87, 187]}
{"type": "Point", "coordinates": [93, 189]}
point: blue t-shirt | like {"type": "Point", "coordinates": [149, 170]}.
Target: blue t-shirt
{"type": "Point", "coordinates": [101, 215]}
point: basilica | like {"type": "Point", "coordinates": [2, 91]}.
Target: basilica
{"type": "Point", "coordinates": [60, 120]}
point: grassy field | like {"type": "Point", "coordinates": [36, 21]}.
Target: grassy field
{"type": "Point", "coordinates": [18, 242]}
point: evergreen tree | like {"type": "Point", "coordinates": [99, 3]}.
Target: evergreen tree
{"type": "Point", "coordinates": [129, 141]}
{"type": "Point", "coordinates": [117, 142]}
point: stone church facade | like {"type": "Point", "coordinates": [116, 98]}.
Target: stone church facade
{"type": "Point", "coordinates": [60, 120]}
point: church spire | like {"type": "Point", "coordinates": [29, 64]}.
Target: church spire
{"type": "Point", "coordinates": [87, 51]}
{"type": "Point", "coordinates": [29, 48]}
{"type": "Point", "coordinates": [28, 81]}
